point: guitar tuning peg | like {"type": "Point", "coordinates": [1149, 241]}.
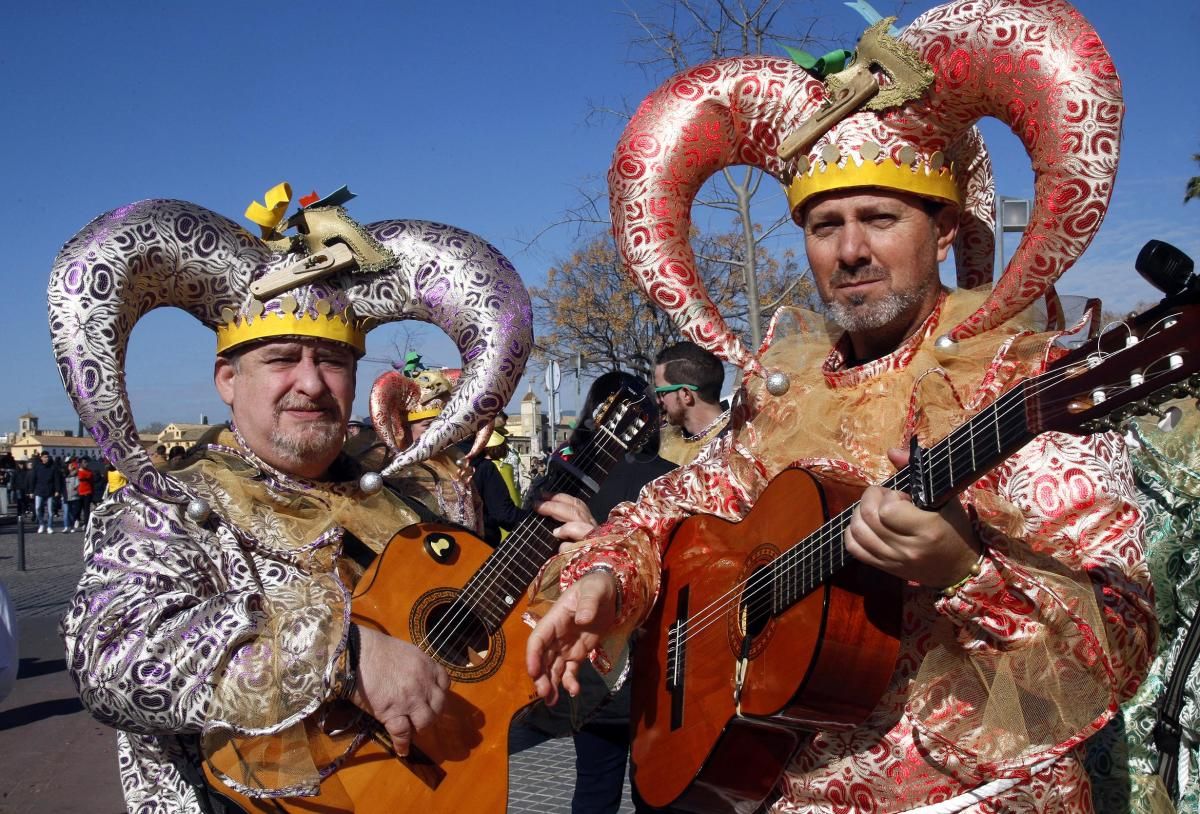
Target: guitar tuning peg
{"type": "Point", "coordinates": [1169, 419]}
{"type": "Point", "coordinates": [1132, 440]}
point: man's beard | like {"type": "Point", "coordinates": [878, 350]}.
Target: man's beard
{"type": "Point", "coordinates": [857, 316]}
{"type": "Point", "coordinates": [313, 438]}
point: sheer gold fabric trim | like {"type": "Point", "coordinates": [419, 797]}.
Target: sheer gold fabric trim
{"type": "Point", "coordinates": [256, 732]}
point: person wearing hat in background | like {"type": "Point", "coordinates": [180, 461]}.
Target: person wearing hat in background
{"type": "Point", "coordinates": [402, 409]}
{"type": "Point", "coordinates": [497, 490]}
{"type": "Point", "coordinates": [212, 617]}
{"type": "Point", "coordinates": [1025, 612]}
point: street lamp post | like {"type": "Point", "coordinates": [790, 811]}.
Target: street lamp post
{"type": "Point", "coordinates": [1012, 215]}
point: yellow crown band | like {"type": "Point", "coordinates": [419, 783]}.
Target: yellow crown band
{"type": "Point", "coordinates": [937, 184]}
{"type": "Point", "coordinates": [420, 415]}
{"type": "Point", "coordinates": [268, 326]}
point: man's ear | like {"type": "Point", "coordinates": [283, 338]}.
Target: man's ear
{"type": "Point", "coordinates": [946, 224]}
{"type": "Point", "coordinates": [224, 372]}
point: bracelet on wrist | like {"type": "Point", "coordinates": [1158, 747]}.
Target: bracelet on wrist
{"type": "Point", "coordinates": [951, 590]}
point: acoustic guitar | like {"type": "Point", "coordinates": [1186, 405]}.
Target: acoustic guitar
{"type": "Point", "coordinates": [459, 600]}
{"type": "Point", "coordinates": [766, 630]}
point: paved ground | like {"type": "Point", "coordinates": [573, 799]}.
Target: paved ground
{"type": "Point", "coordinates": [57, 759]}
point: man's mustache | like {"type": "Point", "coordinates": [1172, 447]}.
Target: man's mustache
{"type": "Point", "coordinates": [860, 274]}
{"type": "Point", "coordinates": [300, 403]}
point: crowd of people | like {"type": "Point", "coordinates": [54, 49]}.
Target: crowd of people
{"type": "Point", "coordinates": [212, 625]}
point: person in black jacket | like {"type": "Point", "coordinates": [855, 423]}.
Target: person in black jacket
{"type": "Point", "coordinates": [598, 718]}
{"type": "Point", "coordinates": [500, 511]}
{"type": "Point", "coordinates": [47, 484]}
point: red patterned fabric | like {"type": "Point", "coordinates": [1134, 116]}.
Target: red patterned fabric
{"type": "Point", "coordinates": [1061, 612]}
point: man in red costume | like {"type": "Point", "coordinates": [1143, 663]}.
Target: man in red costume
{"type": "Point", "coordinates": [1027, 612]}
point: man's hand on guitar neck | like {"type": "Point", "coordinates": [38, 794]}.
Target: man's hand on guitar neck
{"type": "Point", "coordinates": [399, 686]}
{"type": "Point", "coordinates": [574, 515]}
{"type": "Point", "coordinates": [890, 533]}
{"type": "Point", "coordinates": [570, 630]}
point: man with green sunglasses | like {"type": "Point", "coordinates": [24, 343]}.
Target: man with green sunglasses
{"type": "Point", "coordinates": [687, 381]}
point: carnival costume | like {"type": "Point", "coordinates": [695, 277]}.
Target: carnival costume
{"type": "Point", "coordinates": [1061, 609]}
{"type": "Point", "coordinates": [1166, 466]}
{"type": "Point", "coordinates": [214, 602]}
{"type": "Point", "coordinates": [442, 482]}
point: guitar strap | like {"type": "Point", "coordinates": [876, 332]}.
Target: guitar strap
{"type": "Point", "coordinates": [1167, 729]}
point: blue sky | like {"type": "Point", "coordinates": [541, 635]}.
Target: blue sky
{"type": "Point", "coordinates": [474, 114]}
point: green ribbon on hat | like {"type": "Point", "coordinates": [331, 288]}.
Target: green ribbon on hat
{"type": "Point", "coordinates": [820, 67]}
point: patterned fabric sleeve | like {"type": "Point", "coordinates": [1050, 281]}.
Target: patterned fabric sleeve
{"type": "Point", "coordinates": [1059, 625]}
{"type": "Point", "coordinates": [175, 630]}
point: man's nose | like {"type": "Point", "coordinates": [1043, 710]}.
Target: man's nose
{"type": "Point", "coordinates": [854, 249]}
{"type": "Point", "coordinates": [308, 379]}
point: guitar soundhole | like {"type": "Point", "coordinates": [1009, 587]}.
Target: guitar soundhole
{"type": "Point", "coordinates": [756, 606]}
{"type": "Point", "coordinates": [453, 634]}
{"type": "Point", "coordinates": [754, 616]}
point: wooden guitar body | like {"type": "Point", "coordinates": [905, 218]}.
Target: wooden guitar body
{"type": "Point", "coordinates": [449, 593]}
{"type": "Point", "coordinates": [822, 664]}
{"type": "Point", "coordinates": [461, 762]}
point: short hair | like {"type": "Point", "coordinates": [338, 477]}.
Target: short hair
{"type": "Point", "coordinates": [688, 363]}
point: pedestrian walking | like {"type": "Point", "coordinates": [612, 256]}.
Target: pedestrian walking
{"type": "Point", "coordinates": [47, 485]}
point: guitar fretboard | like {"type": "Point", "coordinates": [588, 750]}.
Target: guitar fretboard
{"type": "Point", "coordinates": [943, 470]}
{"type": "Point", "coordinates": [495, 588]}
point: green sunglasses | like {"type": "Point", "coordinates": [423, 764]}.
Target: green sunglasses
{"type": "Point", "coordinates": [671, 388]}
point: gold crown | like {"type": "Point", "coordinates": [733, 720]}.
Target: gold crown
{"type": "Point", "coordinates": [319, 322]}
{"type": "Point", "coordinates": [929, 178]}
{"type": "Point", "coordinates": [428, 412]}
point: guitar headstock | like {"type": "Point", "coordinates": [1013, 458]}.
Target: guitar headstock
{"type": "Point", "coordinates": [623, 417]}
{"type": "Point", "coordinates": [1131, 369]}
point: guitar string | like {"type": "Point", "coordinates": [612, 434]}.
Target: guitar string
{"type": "Point", "coordinates": [717, 607]}
{"type": "Point", "coordinates": [835, 526]}
{"type": "Point", "coordinates": [1015, 408]}
{"type": "Point", "coordinates": [467, 602]}
{"type": "Point", "coordinates": [495, 566]}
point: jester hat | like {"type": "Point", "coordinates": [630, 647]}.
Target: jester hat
{"type": "Point", "coordinates": [900, 117]}
{"type": "Point", "coordinates": [334, 279]}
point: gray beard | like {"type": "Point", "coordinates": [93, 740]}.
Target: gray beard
{"type": "Point", "coordinates": [856, 318]}
{"type": "Point", "coordinates": [313, 440]}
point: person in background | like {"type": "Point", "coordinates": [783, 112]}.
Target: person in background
{"type": "Point", "coordinates": [598, 717]}
{"type": "Point", "coordinates": [497, 490]}
{"type": "Point", "coordinates": [687, 382]}
{"type": "Point", "coordinates": [87, 485]}
{"type": "Point", "coordinates": [46, 484]}
{"type": "Point", "coordinates": [71, 496]}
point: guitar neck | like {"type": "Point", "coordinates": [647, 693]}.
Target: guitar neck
{"type": "Point", "coordinates": [932, 477]}
{"type": "Point", "coordinates": [509, 570]}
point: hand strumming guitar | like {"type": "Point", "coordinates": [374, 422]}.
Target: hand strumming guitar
{"type": "Point", "coordinates": [569, 631]}
{"type": "Point", "coordinates": [399, 686]}
{"type": "Point", "coordinates": [889, 532]}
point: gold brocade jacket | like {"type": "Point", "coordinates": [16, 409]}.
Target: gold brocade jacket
{"type": "Point", "coordinates": [184, 635]}
{"type": "Point", "coordinates": [996, 687]}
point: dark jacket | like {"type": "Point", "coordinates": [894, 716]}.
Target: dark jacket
{"type": "Point", "coordinates": [498, 509]}
{"type": "Point", "coordinates": [46, 480]}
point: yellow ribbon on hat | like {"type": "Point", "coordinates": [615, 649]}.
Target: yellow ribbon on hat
{"type": "Point", "coordinates": [268, 217]}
